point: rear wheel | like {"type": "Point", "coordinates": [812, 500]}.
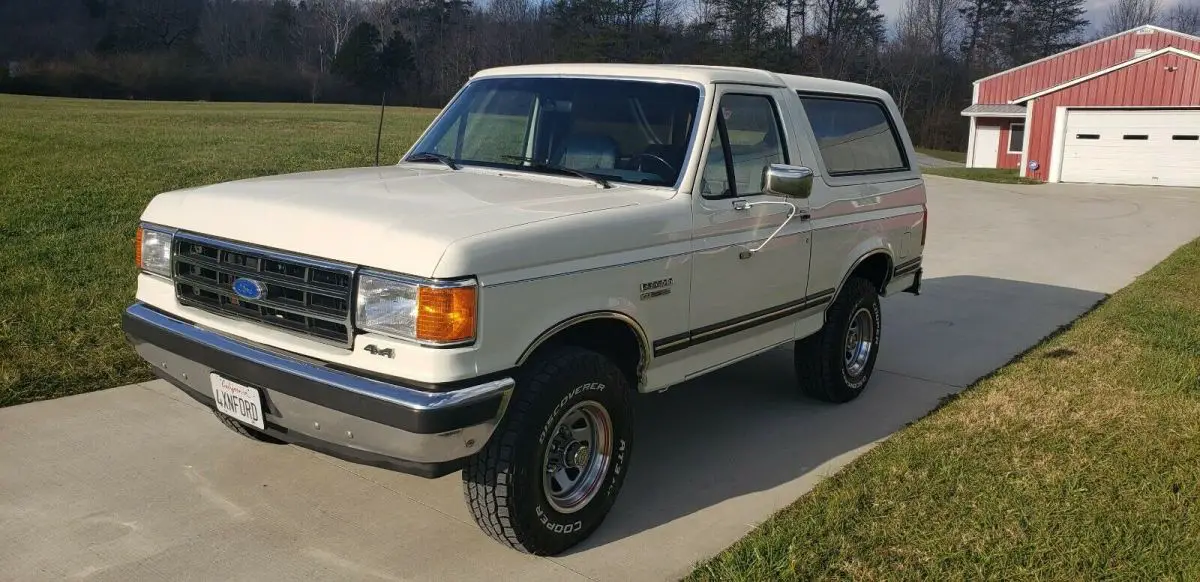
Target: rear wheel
{"type": "Point", "coordinates": [835, 363]}
{"type": "Point", "coordinates": [551, 472]}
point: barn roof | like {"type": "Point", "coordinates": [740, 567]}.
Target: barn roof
{"type": "Point", "coordinates": [1102, 72]}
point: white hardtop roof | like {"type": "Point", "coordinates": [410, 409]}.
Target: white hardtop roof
{"type": "Point", "coordinates": [701, 74]}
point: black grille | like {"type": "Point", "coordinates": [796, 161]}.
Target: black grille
{"type": "Point", "coordinates": [308, 296]}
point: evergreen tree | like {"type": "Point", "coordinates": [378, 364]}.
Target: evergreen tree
{"type": "Point", "coordinates": [1040, 28]}
{"type": "Point", "coordinates": [584, 30]}
{"type": "Point", "coordinates": [281, 28]}
{"type": "Point", "coordinates": [371, 64]}
{"type": "Point", "coordinates": [745, 23]}
{"type": "Point", "coordinates": [358, 59]}
{"type": "Point", "coordinates": [983, 21]}
{"type": "Point", "coordinates": [396, 62]}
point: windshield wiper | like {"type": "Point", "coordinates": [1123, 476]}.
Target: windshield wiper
{"type": "Point", "coordinates": [544, 166]}
{"type": "Point", "coordinates": [433, 157]}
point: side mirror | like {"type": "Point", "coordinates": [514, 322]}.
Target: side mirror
{"type": "Point", "coordinates": [788, 181]}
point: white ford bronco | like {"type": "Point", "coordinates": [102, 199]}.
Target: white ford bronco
{"type": "Point", "coordinates": [559, 240]}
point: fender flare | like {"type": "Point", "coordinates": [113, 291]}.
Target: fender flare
{"type": "Point", "coordinates": [644, 345]}
{"type": "Point", "coordinates": [862, 259]}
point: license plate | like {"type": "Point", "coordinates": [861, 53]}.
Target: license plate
{"type": "Point", "coordinates": [237, 400]}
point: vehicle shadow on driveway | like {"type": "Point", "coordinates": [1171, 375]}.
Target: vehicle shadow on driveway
{"type": "Point", "coordinates": [745, 429]}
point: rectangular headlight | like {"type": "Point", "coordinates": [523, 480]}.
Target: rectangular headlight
{"type": "Point", "coordinates": [423, 311]}
{"type": "Point", "coordinates": [153, 250]}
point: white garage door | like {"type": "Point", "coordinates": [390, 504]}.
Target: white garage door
{"type": "Point", "coordinates": [1158, 147]}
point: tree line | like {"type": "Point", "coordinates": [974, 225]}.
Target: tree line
{"type": "Point", "coordinates": [418, 52]}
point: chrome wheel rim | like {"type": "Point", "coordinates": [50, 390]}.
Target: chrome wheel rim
{"type": "Point", "coordinates": [860, 338]}
{"type": "Point", "coordinates": [577, 456]}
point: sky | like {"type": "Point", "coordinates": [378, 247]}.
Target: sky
{"type": "Point", "coordinates": [1096, 14]}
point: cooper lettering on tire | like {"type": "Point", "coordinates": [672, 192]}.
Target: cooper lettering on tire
{"type": "Point", "coordinates": [552, 471]}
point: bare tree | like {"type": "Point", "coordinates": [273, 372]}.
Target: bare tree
{"type": "Point", "coordinates": [508, 35]}
{"type": "Point", "coordinates": [384, 15]}
{"type": "Point", "coordinates": [704, 11]}
{"type": "Point", "coordinates": [336, 18]}
{"type": "Point", "coordinates": [941, 24]}
{"type": "Point", "coordinates": [510, 10]}
{"type": "Point", "coordinates": [983, 26]}
{"type": "Point", "coordinates": [159, 23]}
{"type": "Point", "coordinates": [928, 25]}
{"type": "Point", "coordinates": [232, 29]}
{"type": "Point", "coordinates": [665, 12]}
{"type": "Point", "coordinates": [902, 73]}
{"type": "Point", "coordinates": [744, 23]}
{"type": "Point", "coordinates": [631, 12]}
{"type": "Point", "coordinates": [848, 26]}
{"type": "Point", "coordinates": [1126, 14]}
{"type": "Point", "coordinates": [1185, 17]}
{"type": "Point", "coordinates": [793, 11]}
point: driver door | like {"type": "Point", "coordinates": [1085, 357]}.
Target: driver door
{"type": "Point", "coordinates": [744, 301]}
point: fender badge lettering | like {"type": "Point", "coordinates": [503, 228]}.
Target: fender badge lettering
{"type": "Point", "coordinates": [652, 289]}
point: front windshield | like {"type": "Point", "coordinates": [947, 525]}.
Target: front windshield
{"type": "Point", "coordinates": [621, 131]}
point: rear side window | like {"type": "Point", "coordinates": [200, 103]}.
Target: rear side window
{"type": "Point", "coordinates": [854, 136]}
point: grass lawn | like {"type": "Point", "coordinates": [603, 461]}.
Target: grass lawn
{"type": "Point", "coordinates": [75, 175]}
{"type": "Point", "coordinates": [997, 175]}
{"type": "Point", "coordinates": [948, 155]}
{"type": "Point", "coordinates": [1080, 460]}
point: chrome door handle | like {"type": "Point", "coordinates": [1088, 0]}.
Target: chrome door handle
{"type": "Point", "coordinates": [744, 205]}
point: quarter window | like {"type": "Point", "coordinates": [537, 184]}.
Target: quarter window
{"type": "Point", "coordinates": [855, 136]}
{"type": "Point", "coordinates": [748, 140]}
{"type": "Point", "coordinates": [1016, 138]}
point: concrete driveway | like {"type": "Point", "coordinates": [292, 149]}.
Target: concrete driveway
{"type": "Point", "coordinates": [141, 483]}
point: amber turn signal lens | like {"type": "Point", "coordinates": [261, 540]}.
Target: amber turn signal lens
{"type": "Point", "coordinates": [445, 315]}
{"type": "Point", "coordinates": [137, 248]}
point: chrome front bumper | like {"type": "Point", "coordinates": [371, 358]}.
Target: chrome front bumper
{"type": "Point", "coordinates": [427, 431]}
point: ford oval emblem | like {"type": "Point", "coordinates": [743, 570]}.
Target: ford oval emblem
{"type": "Point", "coordinates": [249, 288]}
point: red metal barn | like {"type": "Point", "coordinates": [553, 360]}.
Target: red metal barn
{"type": "Point", "coordinates": [1121, 110]}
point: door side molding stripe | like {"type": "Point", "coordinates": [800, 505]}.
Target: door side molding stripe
{"type": "Point", "coordinates": [675, 343]}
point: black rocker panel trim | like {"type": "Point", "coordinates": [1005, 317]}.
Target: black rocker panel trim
{"type": "Point", "coordinates": [678, 342]}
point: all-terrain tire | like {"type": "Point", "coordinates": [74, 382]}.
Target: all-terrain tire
{"type": "Point", "coordinates": [503, 483]}
{"type": "Point", "coordinates": [246, 431]}
{"type": "Point", "coordinates": [822, 368]}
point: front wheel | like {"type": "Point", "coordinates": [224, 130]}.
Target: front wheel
{"type": "Point", "coordinates": [835, 363]}
{"type": "Point", "coordinates": [551, 472]}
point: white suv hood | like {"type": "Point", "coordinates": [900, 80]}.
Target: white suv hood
{"type": "Point", "coordinates": [398, 218]}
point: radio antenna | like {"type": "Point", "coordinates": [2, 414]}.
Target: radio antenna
{"type": "Point", "coordinates": [379, 132]}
